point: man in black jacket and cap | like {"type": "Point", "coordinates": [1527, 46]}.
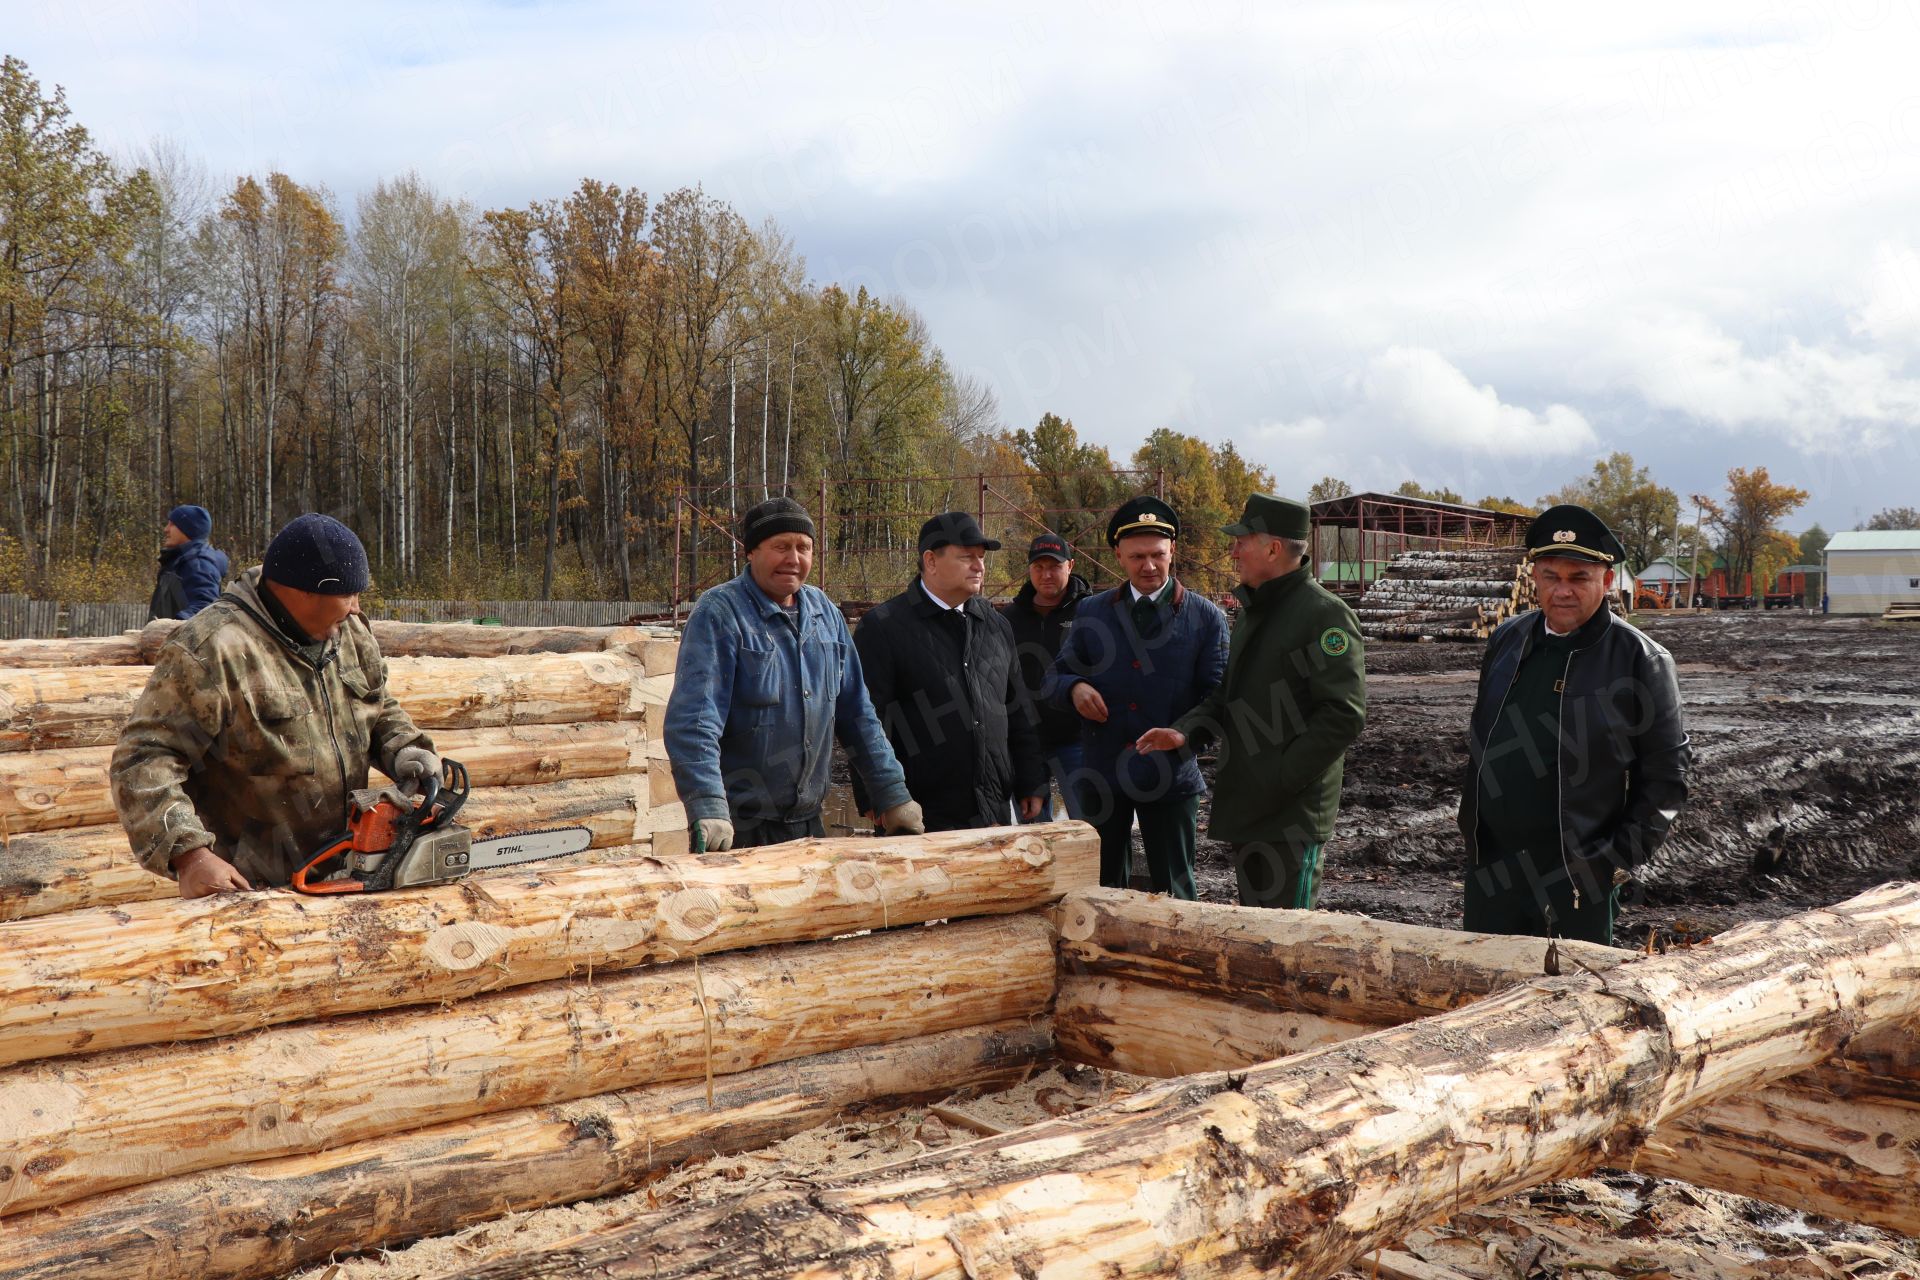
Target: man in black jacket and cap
{"type": "Point", "coordinates": [1040, 616]}
{"type": "Point", "coordinates": [940, 666]}
{"type": "Point", "coordinates": [191, 571]}
{"type": "Point", "coordinates": [1577, 752]}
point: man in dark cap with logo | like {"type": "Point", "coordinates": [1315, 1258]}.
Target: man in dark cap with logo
{"type": "Point", "coordinates": [1041, 615]}
{"type": "Point", "coordinates": [1577, 752]}
{"type": "Point", "coordinates": [941, 667]}
{"type": "Point", "coordinates": [1137, 656]}
{"type": "Point", "coordinates": [768, 676]}
{"type": "Point", "coordinates": [263, 712]}
{"type": "Point", "coordinates": [191, 571]}
{"type": "Point", "coordinates": [1293, 701]}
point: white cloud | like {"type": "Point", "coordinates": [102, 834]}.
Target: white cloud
{"type": "Point", "coordinates": [1821, 396]}
{"type": "Point", "coordinates": [1417, 390]}
{"type": "Point", "coordinates": [1890, 313]}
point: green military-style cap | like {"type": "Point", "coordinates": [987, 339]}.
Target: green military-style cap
{"type": "Point", "coordinates": [1278, 517]}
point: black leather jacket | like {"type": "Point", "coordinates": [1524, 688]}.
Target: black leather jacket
{"type": "Point", "coordinates": [1623, 744]}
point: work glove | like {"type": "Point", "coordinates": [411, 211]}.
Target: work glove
{"type": "Point", "coordinates": [415, 764]}
{"type": "Point", "coordinates": [713, 835]}
{"type": "Point", "coordinates": [904, 820]}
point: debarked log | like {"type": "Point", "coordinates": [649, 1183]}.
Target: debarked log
{"type": "Point", "coordinates": [1295, 1168]}
{"type": "Point", "coordinates": [270, 1217]}
{"type": "Point", "coordinates": [93, 866]}
{"type": "Point", "coordinates": [74, 1127]}
{"type": "Point", "coordinates": [51, 790]}
{"type": "Point", "coordinates": [1160, 1031]}
{"type": "Point", "coordinates": [122, 650]}
{"type": "Point", "coordinates": [86, 867]}
{"type": "Point", "coordinates": [1842, 1139]}
{"type": "Point", "coordinates": [460, 640]}
{"type": "Point", "coordinates": [187, 970]}
{"type": "Point", "coordinates": [86, 706]}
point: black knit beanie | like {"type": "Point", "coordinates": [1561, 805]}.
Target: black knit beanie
{"type": "Point", "coordinates": [775, 515]}
{"type": "Point", "coordinates": [319, 554]}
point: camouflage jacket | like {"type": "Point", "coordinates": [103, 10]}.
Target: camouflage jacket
{"type": "Point", "coordinates": [241, 742]}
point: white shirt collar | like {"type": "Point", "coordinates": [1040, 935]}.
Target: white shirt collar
{"type": "Point", "coordinates": [950, 608]}
{"type": "Point", "coordinates": [1155, 597]}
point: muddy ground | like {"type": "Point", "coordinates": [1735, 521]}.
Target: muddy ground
{"type": "Point", "coordinates": [1806, 732]}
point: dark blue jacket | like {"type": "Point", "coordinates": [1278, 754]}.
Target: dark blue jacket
{"type": "Point", "coordinates": [1147, 684]}
{"type": "Point", "coordinates": [189, 581]}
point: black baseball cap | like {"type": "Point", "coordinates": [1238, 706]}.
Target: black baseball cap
{"type": "Point", "coordinates": [1049, 546]}
{"type": "Point", "coordinates": [954, 528]}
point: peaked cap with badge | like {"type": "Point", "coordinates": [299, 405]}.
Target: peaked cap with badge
{"type": "Point", "coordinates": [1574, 533]}
{"type": "Point", "coordinates": [1144, 514]}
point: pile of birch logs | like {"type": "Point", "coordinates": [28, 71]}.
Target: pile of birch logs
{"type": "Point", "coordinates": [1446, 595]}
{"type": "Point", "coordinates": [557, 727]}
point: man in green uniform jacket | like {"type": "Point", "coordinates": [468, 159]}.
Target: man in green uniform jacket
{"type": "Point", "coordinates": [1293, 701]}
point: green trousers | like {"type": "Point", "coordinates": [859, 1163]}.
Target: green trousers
{"type": "Point", "coordinates": [1169, 831]}
{"type": "Point", "coordinates": [1537, 898]}
{"type": "Point", "coordinates": [1277, 874]}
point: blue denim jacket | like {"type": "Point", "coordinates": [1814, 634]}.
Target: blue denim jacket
{"type": "Point", "coordinates": [756, 704]}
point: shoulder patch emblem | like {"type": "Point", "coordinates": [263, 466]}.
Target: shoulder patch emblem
{"type": "Point", "coordinates": [1334, 642]}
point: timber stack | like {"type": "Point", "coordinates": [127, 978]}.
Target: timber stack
{"type": "Point", "coordinates": [556, 725]}
{"type": "Point", "coordinates": [1446, 595]}
{"type": "Point", "coordinates": [238, 1087]}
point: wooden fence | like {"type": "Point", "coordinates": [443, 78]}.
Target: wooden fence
{"type": "Point", "coordinates": [22, 618]}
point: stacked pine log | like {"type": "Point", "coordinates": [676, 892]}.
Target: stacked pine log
{"type": "Point", "coordinates": [1302, 1165]}
{"type": "Point", "coordinates": [242, 1085]}
{"type": "Point", "coordinates": [1446, 595]}
{"type": "Point", "coordinates": [557, 726]}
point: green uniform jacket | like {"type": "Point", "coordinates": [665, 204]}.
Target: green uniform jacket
{"type": "Point", "coordinates": [1294, 699]}
{"type": "Point", "coordinates": [241, 743]}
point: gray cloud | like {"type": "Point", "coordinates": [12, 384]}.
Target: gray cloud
{"type": "Point", "coordinates": [1478, 243]}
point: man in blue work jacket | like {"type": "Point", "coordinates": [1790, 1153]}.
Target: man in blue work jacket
{"type": "Point", "coordinates": [767, 676]}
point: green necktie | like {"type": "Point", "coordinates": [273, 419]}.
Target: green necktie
{"type": "Point", "coordinates": [1146, 617]}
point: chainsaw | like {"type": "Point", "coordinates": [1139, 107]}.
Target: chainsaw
{"type": "Point", "coordinates": [394, 845]}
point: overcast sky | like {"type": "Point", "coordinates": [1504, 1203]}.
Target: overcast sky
{"type": "Point", "coordinates": [1474, 244]}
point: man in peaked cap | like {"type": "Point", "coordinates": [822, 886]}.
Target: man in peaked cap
{"type": "Point", "coordinates": [1293, 700]}
{"type": "Point", "coordinates": [264, 710]}
{"type": "Point", "coordinates": [1138, 656]}
{"type": "Point", "coordinates": [1577, 750]}
{"type": "Point", "coordinates": [768, 678]}
{"type": "Point", "coordinates": [944, 677]}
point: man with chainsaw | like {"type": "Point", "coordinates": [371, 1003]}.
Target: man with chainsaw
{"type": "Point", "coordinates": [768, 677]}
{"type": "Point", "coordinates": [262, 715]}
